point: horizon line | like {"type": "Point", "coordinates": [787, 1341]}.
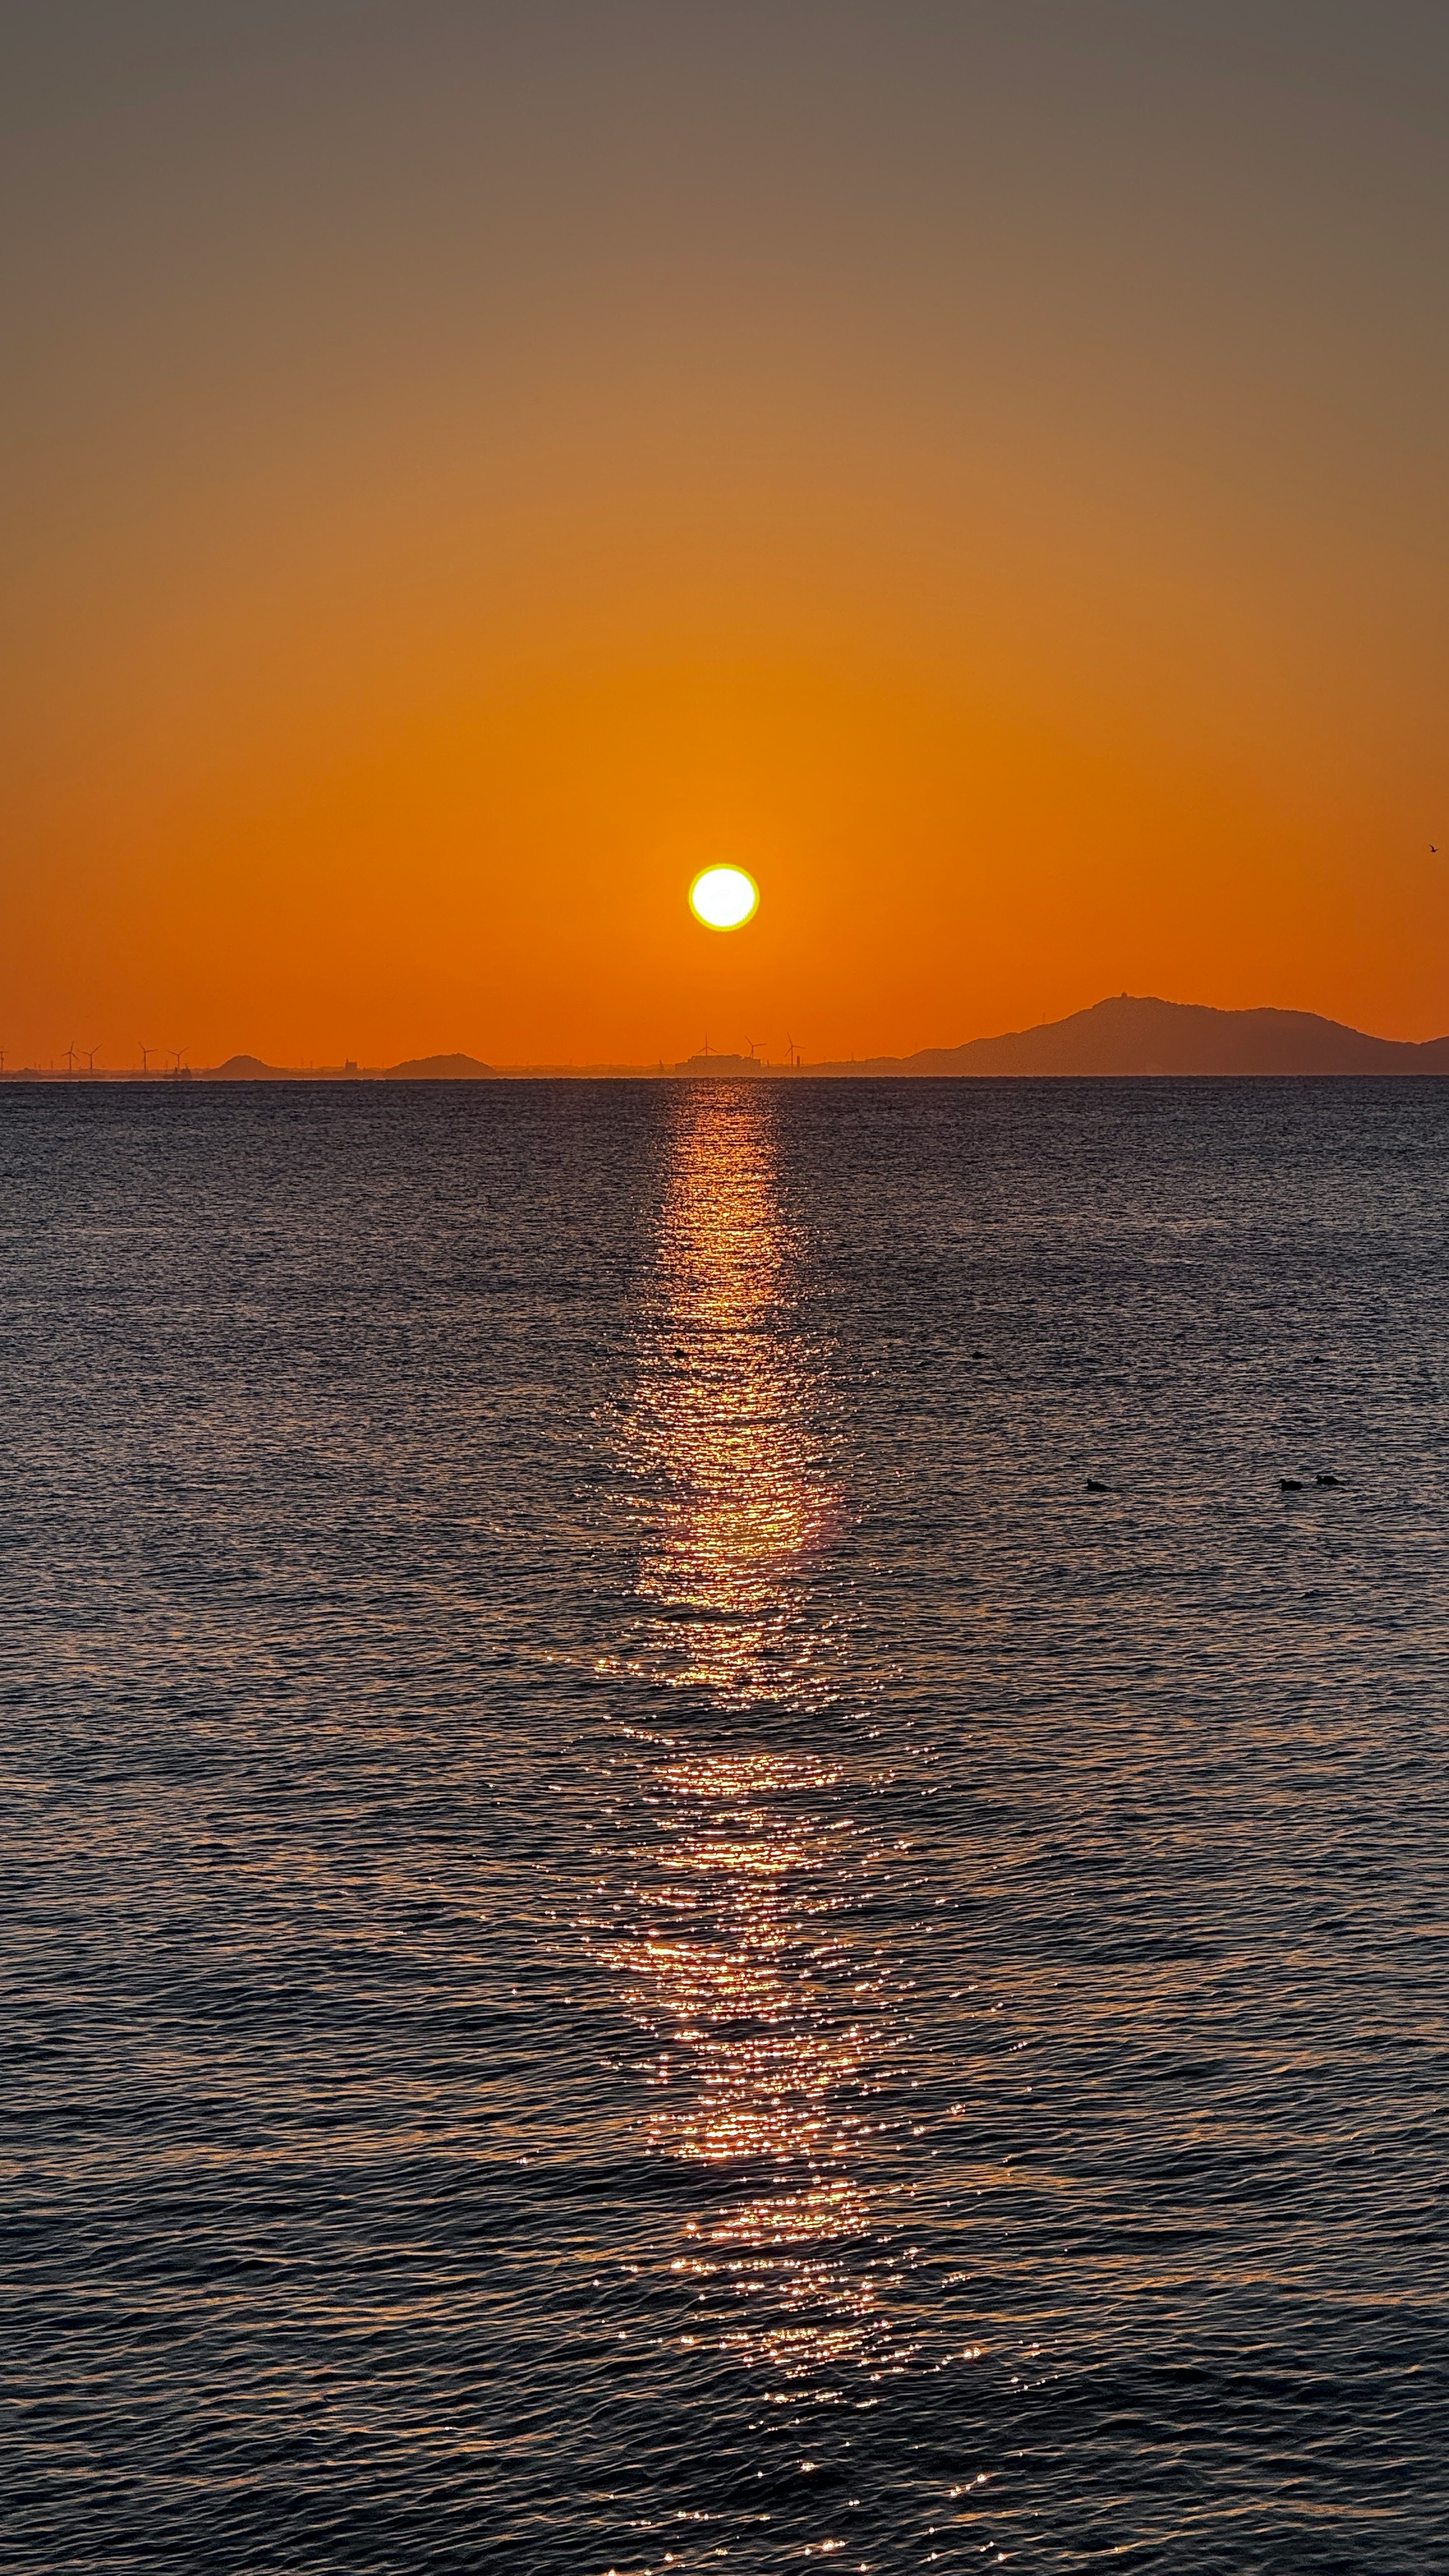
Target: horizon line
{"type": "Point", "coordinates": [716, 1064]}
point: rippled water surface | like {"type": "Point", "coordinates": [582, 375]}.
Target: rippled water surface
{"type": "Point", "coordinates": [725, 1827]}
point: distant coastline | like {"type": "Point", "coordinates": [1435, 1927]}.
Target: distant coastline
{"type": "Point", "coordinates": [1128, 1037]}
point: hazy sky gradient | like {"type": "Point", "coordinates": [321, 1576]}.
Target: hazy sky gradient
{"type": "Point", "coordinates": [978, 467]}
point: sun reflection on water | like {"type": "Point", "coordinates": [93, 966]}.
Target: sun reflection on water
{"type": "Point", "coordinates": [728, 1422]}
{"type": "Point", "coordinates": [738, 1941]}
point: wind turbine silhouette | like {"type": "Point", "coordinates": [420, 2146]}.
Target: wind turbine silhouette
{"type": "Point", "coordinates": [90, 1054]}
{"type": "Point", "coordinates": [69, 1055]}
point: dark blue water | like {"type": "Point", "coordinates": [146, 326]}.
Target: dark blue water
{"type": "Point", "coordinates": [640, 1934]}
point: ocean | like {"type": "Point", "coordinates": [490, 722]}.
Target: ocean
{"type": "Point", "coordinates": [725, 1827]}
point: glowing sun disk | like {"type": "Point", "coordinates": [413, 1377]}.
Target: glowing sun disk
{"type": "Point", "coordinates": [723, 898]}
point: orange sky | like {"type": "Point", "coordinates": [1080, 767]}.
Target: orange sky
{"type": "Point", "coordinates": [978, 470]}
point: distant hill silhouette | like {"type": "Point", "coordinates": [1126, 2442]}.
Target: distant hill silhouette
{"type": "Point", "coordinates": [1138, 1035]}
{"type": "Point", "coordinates": [439, 1068]}
{"type": "Point", "coordinates": [421, 1068]}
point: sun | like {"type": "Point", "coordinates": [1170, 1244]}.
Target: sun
{"type": "Point", "coordinates": [723, 898]}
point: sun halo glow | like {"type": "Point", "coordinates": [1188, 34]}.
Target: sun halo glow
{"type": "Point", "coordinates": [723, 898]}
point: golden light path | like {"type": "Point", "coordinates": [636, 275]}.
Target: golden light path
{"type": "Point", "coordinates": [727, 1424]}
{"type": "Point", "coordinates": [724, 898]}
{"type": "Point", "coordinates": [736, 1965]}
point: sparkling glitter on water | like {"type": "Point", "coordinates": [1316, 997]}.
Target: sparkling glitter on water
{"type": "Point", "coordinates": [718, 1852]}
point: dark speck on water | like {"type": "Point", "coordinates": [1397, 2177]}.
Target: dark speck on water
{"type": "Point", "coordinates": [630, 1943]}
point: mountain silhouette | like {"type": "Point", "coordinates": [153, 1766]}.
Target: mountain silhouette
{"type": "Point", "coordinates": [1134, 1034]}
